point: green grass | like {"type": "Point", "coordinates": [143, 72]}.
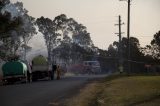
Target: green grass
{"type": "Point", "coordinates": [120, 91]}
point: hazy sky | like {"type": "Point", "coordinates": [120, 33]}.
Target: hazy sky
{"type": "Point", "coordinates": [99, 16]}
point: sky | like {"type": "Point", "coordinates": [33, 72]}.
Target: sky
{"type": "Point", "coordinates": [100, 17]}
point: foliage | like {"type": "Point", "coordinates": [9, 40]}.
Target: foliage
{"type": "Point", "coordinates": [66, 39]}
{"type": "Point", "coordinates": [152, 52]}
{"type": "Point", "coordinates": [72, 53]}
{"type": "Point", "coordinates": [74, 35]}
{"type": "Point", "coordinates": [72, 31]}
{"type": "Point", "coordinates": [47, 28]}
{"type": "Point", "coordinates": [156, 45]}
{"type": "Point", "coordinates": [138, 57]}
{"type": "Point", "coordinates": [156, 39]}
{"type": "Point", "coordinates": [16, 28]}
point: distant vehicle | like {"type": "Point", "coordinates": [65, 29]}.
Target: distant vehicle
{"type": "Point", "coordinates": [40, 68]}
{"type": "Point", "coordinates": [14, 71]}
{"type": "Point", "coordinates": [86, 67]}
{"type": "Point", "coordinates": [91, 67]}
{"type": "Point", "coordinates": [76, 68]}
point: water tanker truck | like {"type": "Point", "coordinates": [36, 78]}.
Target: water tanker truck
{"type": "Point", "coordinates": [14, 71]}
{"type": "Point", "coordinates": [40, 68]}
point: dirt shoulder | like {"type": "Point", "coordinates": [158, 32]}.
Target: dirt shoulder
{"type": "Point", "coordinates": [75, 92]}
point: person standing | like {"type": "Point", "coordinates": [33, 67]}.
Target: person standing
{"type": "Point", "coordinates": [58, 72]}
{"type": "Point", "coordinates": [54, 68]}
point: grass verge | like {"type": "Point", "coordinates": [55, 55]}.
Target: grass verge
{"type": "Point", "coordinates": [120, 91]}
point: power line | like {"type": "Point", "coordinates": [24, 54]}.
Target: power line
{"type": "Point", "coordinates": [108, 57]}
{"type": "Point", "coordinates": [142, 36]}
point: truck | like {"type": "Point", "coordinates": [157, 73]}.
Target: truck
{"type": "Point", "coordinates": [85, 67]}
{"type": "Point", "coordinates": [41, 68]}
{"type": "Point", "coordinates": [14, 71]}
{"type": "Point", "coordinates": [91, 67]}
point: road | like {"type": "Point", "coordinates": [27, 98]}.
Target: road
{"type": "Point", "coordinates": [42, 93]}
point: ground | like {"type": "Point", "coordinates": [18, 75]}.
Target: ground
{"type": "Point", "coordinates": [120, 91]}
{"type": "Point", "coordinates": [43, 93]}
{"type": "Point", "coordinates": [90, 90]}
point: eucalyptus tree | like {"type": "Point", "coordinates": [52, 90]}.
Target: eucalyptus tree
{"type": "Point", "coordinates": [155, 45]}
{"type": "Point", "coordinates": [3, 3]}
{"type": "Point", "coordinates": [72, 33]}
{"type": "Point", "coordinates": [16, 27]}
{"type": "Point", "coordinates": [27, 29]}
{"type": "Point", "coordinates": [81, 36]}
{"type": "Point", "coordinates": [47, 28]}
{"type": "Point", "coordinates": [153, 49]}
{"type": "Point", "coordinates": [62, 27]}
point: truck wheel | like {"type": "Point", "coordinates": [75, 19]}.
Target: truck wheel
{"type": "Point", "coordinates": [4, 83]}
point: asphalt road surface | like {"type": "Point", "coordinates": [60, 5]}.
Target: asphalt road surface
{"type": "Point", "coordinates": [42, 93]}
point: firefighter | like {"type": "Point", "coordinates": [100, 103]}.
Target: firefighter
{"type": "Point", "coordinates": [58, 72]}
{"type": "Point", "coordinates": [54, 68]}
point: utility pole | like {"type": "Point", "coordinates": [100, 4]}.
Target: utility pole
{"type": "Point", "coordinates": [120, 45]}
{"type": "Point", "coordinates": [128, 35]}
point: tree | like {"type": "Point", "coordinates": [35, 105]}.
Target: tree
{"type": "Point", "coordinates": [137, 59]}
{"type": "Point", "coordinates": [62, 28]}
{"type": "Point", "coordinates": [3, 3]}
{"type": "Point", "coordinates": [81, 36]}
{"type": "Point", "coordinates": [135, 48]}
{"type": "Point", "coordinates": [16, 27]}
{"type": "Point", "coordinates": [112, 51]}
{"type": "Point", "coordinates": [72, 31]}
{"type": "Point", "coordinates": [63, 36]}
{"type": "Point", "coordinates": [153, 49]}
{"type": "Point", "coordinates": [72, 38]}
{"type": "Point", "coordinates": [155, 44]}
{"type": "Point", "coordinates": [48, 29]}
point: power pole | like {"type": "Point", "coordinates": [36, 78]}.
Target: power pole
{"type": "Point", "coordinates": [120, 45]}
{"type": "Point", "coordinates": [128, 35]}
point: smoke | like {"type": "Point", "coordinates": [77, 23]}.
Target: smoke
{"type": "Point", "coordinates": [38, 46]}
{"type": "Point", "coordinates": [1, 43]}
{"type": "Point", "coordinates": [14, 35]}
{"type": "Point", "coordinates": [26, 28]}
{"type": "Point", "coordinates": [12, 9]}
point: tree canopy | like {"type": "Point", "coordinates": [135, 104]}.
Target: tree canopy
{"type": "Point", "coordinates": [16, 28]}
{"type": "Point", "coordinates": [63, 36]}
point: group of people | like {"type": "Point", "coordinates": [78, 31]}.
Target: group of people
{"type": "Point", "coordinates": [56, 69]}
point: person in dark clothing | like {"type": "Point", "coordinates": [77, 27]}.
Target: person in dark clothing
{"type": "Point", "coordinates": [54, 68]}
{"type": "Point", "coordinates": [58, 70]}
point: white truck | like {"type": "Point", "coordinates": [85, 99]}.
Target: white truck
{"type": "Point", "coordinates": [40, 68]}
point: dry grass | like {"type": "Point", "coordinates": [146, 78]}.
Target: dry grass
{"type": "Point", "coordinates": [129, 91]}
{"type": "Point", "coordinates": [124, 91]}
{"type": "Point", "coordinates": [87, 96]}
